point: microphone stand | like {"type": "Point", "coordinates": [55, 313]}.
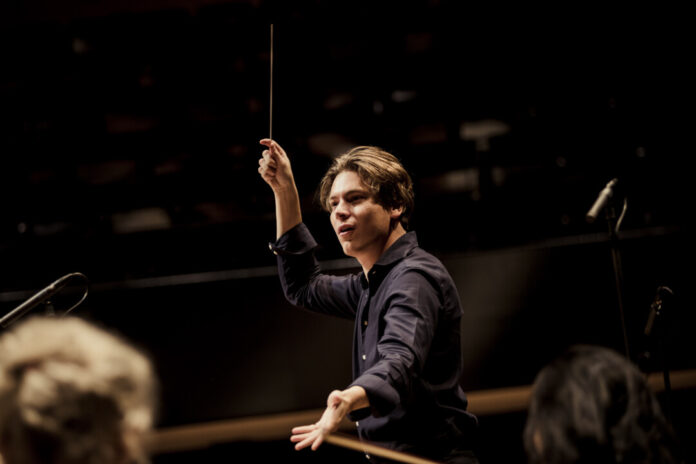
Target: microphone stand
{"type": "Point", "coordinates": [614, 224]}
{"type": "Point", "coordinates": [662, 346]}
{"type": "Point", "coordinates": [656, 326]}
{"type": "Point", "coordinates": [603, 201]}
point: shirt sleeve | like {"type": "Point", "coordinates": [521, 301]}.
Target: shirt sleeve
{"type": "Point", "coordinates": [409, 326]}
{"type": "Point", "coordinates": [304, 284]}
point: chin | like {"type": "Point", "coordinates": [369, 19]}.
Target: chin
{"type": "Point", "coordinates": [347, 249]}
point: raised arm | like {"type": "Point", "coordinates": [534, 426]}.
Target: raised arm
{"type": "Point", "coordinates": [275, 170]}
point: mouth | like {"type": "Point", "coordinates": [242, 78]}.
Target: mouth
{"type": "Point", "coordinates": [345, 230]}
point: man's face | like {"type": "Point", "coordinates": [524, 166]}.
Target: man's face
{"type": "Point", "coordinates": [361, 225]}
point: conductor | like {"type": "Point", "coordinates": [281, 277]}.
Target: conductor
{"type": "Point", "coordinates": [405, 394]}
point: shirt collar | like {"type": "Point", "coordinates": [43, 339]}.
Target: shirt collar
{"type": "Point", "coordinates": [399, 250]}
{"type": "Point", "coordinates": [395, 253]}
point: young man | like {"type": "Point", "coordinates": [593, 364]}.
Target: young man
{"type": "Point", "coordinates": [405, 392]}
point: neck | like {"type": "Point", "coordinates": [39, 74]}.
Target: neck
{"type": "Point", "coordinates": [368, 259]}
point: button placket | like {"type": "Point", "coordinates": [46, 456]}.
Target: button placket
{"type": "Point", "coordinates": [364, 314]}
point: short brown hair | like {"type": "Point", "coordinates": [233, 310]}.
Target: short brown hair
{"type": "Point", "coordinates": [380, 171]}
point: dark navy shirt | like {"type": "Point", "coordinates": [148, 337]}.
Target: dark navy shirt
{"type": "Point", "coordinates": [406, 345]}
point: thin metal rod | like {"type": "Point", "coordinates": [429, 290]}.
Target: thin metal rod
{"type": "Point", "coordinates": [270, 104]}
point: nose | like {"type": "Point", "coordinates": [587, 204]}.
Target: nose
{"type": "Point", "coordinates": [341, 211]}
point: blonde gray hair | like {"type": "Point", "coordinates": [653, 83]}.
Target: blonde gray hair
{"type": "Point", "coordinates": [73, 393]}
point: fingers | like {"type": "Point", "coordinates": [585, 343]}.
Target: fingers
{"type": "Point", "coordinates": [266, 170]}
{"type": "Point", "coordinates": [307, 435]}
{"type": "Point", "coordinates": [304, 440]}
{"type": "Point", "coordinates": [274, 165]}
{"type": "Point", "coordinates": [317, 442]}
{"type": "Point", "coordinates": [298, 437]}
{"type": "Point", "coordinates": [268, 159]}
{"type": "Point", "coordinates": [268, 143]}
{"type": "Point", "coordinates": [273, 147]}
{"type": "Point", "coordinates": [305, 443]}
{"type": "Point", "coordinates": [314, 439]}
{"type": "Point", "coordinates": [267, 166]}
{"type": "Point", "coordinates": [303, 429]}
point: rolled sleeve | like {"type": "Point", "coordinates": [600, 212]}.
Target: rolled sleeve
{"type": "Point", "coordinates": [296, 241]}
{"type": "Point", "coordinates": [382, 396]}
{"type": "Point", "coordinates": [304, 284]}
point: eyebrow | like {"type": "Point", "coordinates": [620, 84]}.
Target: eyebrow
{"type": "Point", "coordinates": [349, 192]}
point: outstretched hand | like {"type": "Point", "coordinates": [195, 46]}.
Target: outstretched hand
{"type": "Point", "coordinates": [274, 166]}
{"type": "Point", "coordinates": [338, 405]}
{"type": "Point", "coordinates": [313, 435]}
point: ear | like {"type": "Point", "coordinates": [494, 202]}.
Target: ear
{"type": "Point", "coordinates": [395, 213]}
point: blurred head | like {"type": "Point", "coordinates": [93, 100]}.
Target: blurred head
{"type": "Point", "coordinates": [591, 405]}
{"type": "Point", "coordinates": [380, 172]}
{"type": "Point", "coordinates": [72, 393]}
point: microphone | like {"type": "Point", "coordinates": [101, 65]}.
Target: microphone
{"type": "Point", "coordinates": [38, 298]}
{"type": "Point", "coordinates": [663, 296]}
{"type": "Point", "coordinates": [601, 201]}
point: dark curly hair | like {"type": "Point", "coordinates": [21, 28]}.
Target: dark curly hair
{"type": "Point", "coordinates": [592, 405]}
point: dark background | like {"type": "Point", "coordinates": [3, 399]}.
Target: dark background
{"type": "Point", "coordinates": [129, 141]}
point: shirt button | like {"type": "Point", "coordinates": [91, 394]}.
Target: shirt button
{"type": "Point", "coordinates": [364, 357]}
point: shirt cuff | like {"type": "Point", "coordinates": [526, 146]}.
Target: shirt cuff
{"type": "Point", "coordinates": [383, 397]}
{"type": "Point", "coordinates": [296, 241]}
